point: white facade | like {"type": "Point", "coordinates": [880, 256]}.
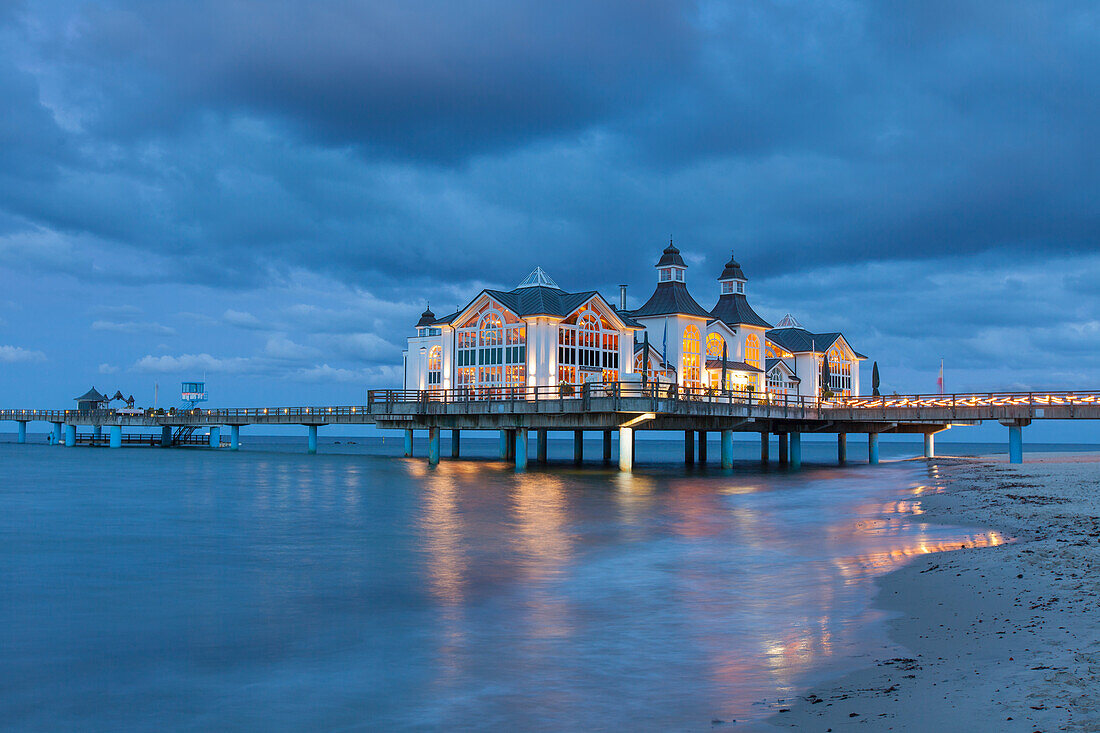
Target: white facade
{"type": "Point", "coordinates": [538, 335]}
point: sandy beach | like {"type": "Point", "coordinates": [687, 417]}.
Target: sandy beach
{"type": "Point", "coordinates": [1003, 638]}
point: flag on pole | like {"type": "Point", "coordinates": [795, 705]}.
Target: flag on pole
{"type": "Point", "coordinates": [940, 380]}
{"type": "Point", "coordinates": [664, 346]}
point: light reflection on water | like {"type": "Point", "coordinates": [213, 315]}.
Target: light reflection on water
{"type": "Point", "coordinates": [271, 590]}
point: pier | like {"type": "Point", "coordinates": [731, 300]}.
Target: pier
{"type": "Point", "coordinates": [621, 408]}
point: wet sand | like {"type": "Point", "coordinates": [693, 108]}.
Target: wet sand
{"type": "Point", "coordinates": [1003, 638]}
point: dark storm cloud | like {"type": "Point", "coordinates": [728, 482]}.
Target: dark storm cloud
{"type": "Point", "coordinates": [425, 78]}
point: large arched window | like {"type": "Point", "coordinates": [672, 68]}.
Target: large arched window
{"type": "Point", "coordinates": [435, 368]}
{"type": "Point", "coordinates": [587, 346]}
{"type": "Point", "coordinates": [691, 377]}
{"type": "Point", "coordinates": [752, 350]}
{"type": "Point", "coordinates": [491, 350]}
{"type": "Point", "coordinates": [715, 345]}
{"type": "Point", "coordinates": [840, 373]}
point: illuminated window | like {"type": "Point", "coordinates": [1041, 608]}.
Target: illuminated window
{"type": "Point", "coordinates": [691, 357]}
{"type": "Point", "coordinates": [491, 350]}
{"type": "Point", "coordinates": [587, 345]}
{"type": "Point", "coordinates": [715, 345]}
{"type": "Point", "coordinates": [752, 350]}
{"type": "Point", "coordinates": [435, 367]}
{"type": "Point", "coordinates": [840, 373]}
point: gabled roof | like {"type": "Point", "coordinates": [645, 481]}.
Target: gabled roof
{"type": "Point", "coordinates": [733, 309]}
{"type": "Point", "coordinates": [770, 364]}
{"type": "Point", "coordinates": [639, 345]}
{"type": "Point", "coordinates": [670, 298]}
{"type": "Point", "coordinates": [733, 366]}
{"type": "Point", "coordinates": [628, 318]}
{"type": "Point", "coordinates": [539, 300]}
{"type": "Point", "coordinates": [92, 395]}
{"type": "Point", "coordinates": [799, 340]}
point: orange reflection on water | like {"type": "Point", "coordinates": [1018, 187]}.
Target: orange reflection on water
{"type": "Point", "coordinates": [876, 563]}
{"type": "Point", "coordinates": [542, 541]}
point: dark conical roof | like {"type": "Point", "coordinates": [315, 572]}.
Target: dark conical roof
{"type": "Point", "coordinates": [733, 271]}
{"type": "Point", "coordinates": [670, 298]}
{"type": "Point", "coordinates": [671, 256]}
{"type": "Point", "coordinates": [92, 395]}
{"type": "Point", "coordinates": [427, 318]}
{"type": "Point", "coordinates": [734, 309]}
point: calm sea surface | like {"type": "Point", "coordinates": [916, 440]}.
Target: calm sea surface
{"type": "Point", "coordinates": [192, 589]}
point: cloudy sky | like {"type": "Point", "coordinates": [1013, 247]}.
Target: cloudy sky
{"type": "Point", "coordinates": [267, 191]}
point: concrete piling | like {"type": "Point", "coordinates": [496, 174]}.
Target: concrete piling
{"type": "Point", "coordinates": [872, 448]}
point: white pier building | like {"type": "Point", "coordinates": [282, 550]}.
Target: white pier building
{"type": "Point", "coordinates": [538, 335]}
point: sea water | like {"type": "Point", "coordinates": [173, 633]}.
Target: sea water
{"type": "Point", "coordinates": [267, 589]}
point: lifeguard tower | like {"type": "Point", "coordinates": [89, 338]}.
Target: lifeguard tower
{"type": "Point", "coordinates": [192, 393]}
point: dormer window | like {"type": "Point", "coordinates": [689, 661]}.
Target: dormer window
{"type": "Point", "coordinates": [740, 287]}
{"type": "Point", "coordinates": [680, 275]}
{"type": "Point", "coordinates": [727, 288]}
{"type": "Point", "coordinates": [666, 274]}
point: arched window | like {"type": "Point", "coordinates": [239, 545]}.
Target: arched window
{"type": "Point", "coordinates": [715, 344]}
{"type": "Point", "coordinates": [840, 373]}
{"type": "Point", "coordinates": [691, 357]}
{"type": "Point", "coordinates": [435, 367]}
{"type": "Point", "coordinates": [752, 350]}
{"type": "Point", "coordinates": [587, 345]}
{"type": "Point", "coordinates": [491, 350]}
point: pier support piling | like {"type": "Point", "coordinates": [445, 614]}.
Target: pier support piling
{"type": "Point", "coordinates": [56, 433]}
{"type": "Point", "coordinates": [215, 436]}
{"type": "Point", "coordinates": [116, 436]}
{"type": "Point", "coordinates": [783, 451]}
{"type": "Point", "coordinates": [22, 432]}
{"type": "Point", "coordinates": [312, 445]}
{"type": "Point", "coordinates": [511, 445]}
{"type": "Point", "coordinates": [97, 433]}
{"type": "Point", "coordinates": [796, 451]}
{"type": "Point", "coordinates": [456, 443]}
{"type": "Point", "coordinates": [872, 448]}
{"type": "Point", "coordinates": [1015, 444]}
{"type": "Point", "coordinates": [765, 446]}
{"type": "Point", "coordinates": [607, 446]}
{"type": "Point", "coordinates": [703, 446]}
{"type": "Point", "coordinates": [689, 447]}
{"type": "Point", "coordinates": [727, 448]}
{"type": "Point", "coordinates": [626, 449]}
{"type": "Point", "coordinates": [929, 445]}
{"type": "Point", "coordinates": [521, 450]}
{"type": "Point", "coordinates": [503, 445]}
{"type": "Point", "coordinates": [841, 448]}
{"type": "Point", "coordinates": [70, 435]}
{"type": "Point", "coordinates": [166, 436]}
{"type": "Point", "coordinates": [540, 445]}
{"type": "Point", "coordinates": [433, 446]}
{"type": "Point", "coordinates": [408, 443]}
{"type": "Point", "coordinates": [578, 446]}
{"type": "Point", "coordinates": [234, 437]}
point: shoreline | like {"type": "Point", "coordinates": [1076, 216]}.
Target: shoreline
{"type": "Point", "coordinates": [1003, 638]}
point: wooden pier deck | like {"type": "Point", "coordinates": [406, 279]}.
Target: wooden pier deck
{"type": "Point", "coordinates": [618, 407]}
